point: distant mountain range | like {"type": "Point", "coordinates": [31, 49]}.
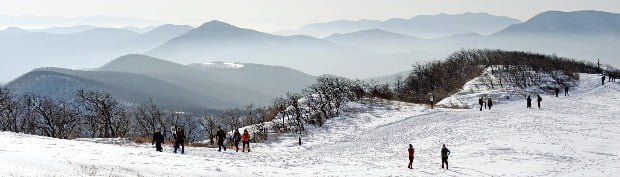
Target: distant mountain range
{"type": "Point", "coordinates": [425, 26]}
{"type": "Point", "coordinates": [100, 20]}
{"type": "Point", "coordinates": [135, 78]}
{"type": "Point", "coordinates": [588, 35]}
{"type": "Point", "coordinates": [359, 49]}
{"type": "Point", "coordinates": [377, 40]}
{"type": "Point", "coordinates": [558, 23]}
{"type": "Point", "coordinates": [217, 40]}
{"type": "Point", "coordinates": [82, 28]}
{"type": "Point", "coordinates": [64, 30]}
{"type": "Point", "coordinates": [22, 50]}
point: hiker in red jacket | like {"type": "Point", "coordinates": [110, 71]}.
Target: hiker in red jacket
{"type": "Point", "coordinates": [411, 154]}
{"type": "Point", "coordinates": [245, 138]}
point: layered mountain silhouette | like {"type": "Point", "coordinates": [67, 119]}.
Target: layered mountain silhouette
{"type": "Point", "coordinates": [378, 48]}
{"type": "Point", "coordinates": [591, 23]}
{"type": "Point", "coordinates": [87, 49]}
{"type": "Point", "coordinates": [136, 78]}
{"type": "Point", "coordinates": [425, 26]}
{"type": "Point", "coordinates": [129, 88]}
{"type": "Point", "coordinates": [217, 40]}
{"type": "Point", "coordinates": [581, 34]}
{"type": "Point", "coordinates": [333, 27]}
{"type": "Point", "coordinates": [65, 30]}
{"type": "Point", "coordinates": [588, 35]}
{"type": "Point", "coordinates": [378, 41]}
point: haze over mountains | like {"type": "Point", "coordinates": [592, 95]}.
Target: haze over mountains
{"type": "Point", "coordinates": [220, 41]}
{"type": "Point", "coordinates": [22, 50]}
{"type": "Point", "coordinates": [568, 23]}
{"type": "Point", "coordinates": [33, 21]}
{"type": "Point", "coordinates": [425, 26]}
{"type": "Point", "coordinates": [134, 78]}
{"type": "Point", "coordinates": [370, 49]}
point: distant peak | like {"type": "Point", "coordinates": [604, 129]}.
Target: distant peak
{"type": "Point", "coordinates": [167, 27]}
{"type": "Point", "coordinates": [216, 24]}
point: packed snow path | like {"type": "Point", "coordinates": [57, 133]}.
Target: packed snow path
{"type": "Point", "coordinates": [577, 135]}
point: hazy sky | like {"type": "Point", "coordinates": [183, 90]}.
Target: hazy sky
{"type": "Point", "coordinates": [273, 15]}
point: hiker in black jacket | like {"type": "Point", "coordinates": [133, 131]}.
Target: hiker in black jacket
{"type": "Point", "coordinates": [221, 135]}
{"type": "Point", "coordinates": [236, 139]}
{"type": "Point", "coordinates": [481, 103]}
{"type": "Point", "coordinates": [566, 91]}
{"type": "Point", "coordinates": [490, 103]}
{"type": "Point", "coordinates": [180, 141]}
{"type": "Point", "coordinates": [603, 80]}
{"type": "Point", "coordinates": [557, 92]}
{"type": "Point", "coordinates": [444, 156]}
{"type": "Point", "coordinates": [529, 102]}
{"type": "Point", "coordinates": [539, 100]}
{"type": "Point", "coordinates": [158, 139]}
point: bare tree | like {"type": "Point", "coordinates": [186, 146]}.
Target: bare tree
{"type": "Point", "coordinates": [293, 101]}
{"type": "Point", "coordinates": [231, 118]}
{"type": "Point", "coordinates": [280, 105]}
{"type": "Point", "coordinates": [10, 111]}
{"type": "Point", "coordinates": [208, 122]}
{"type": "Point", "coordinates": [250, 114]}
{"type": "Point", "coordinates": [148, 117]}
{"type": "Point", "coordinates": [190, 124]}
{"type": "Point", "coordinates": [105, 115]}
{"type": "Point", "coordinates": [28, 117]}
{"type": "Point", "coordinates": [57, 119]}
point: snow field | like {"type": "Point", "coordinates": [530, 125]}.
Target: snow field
{"type": "Point", "coordinates": [577, 135]}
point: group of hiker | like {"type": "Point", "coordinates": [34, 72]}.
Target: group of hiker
{"type": "Point", "coordinates": [487, 104]}
{"type": "Point", "coordinates": [611, 79]}
{"type": "Point", "coordinates": [237, 137]}
{"type": "Point", "coordinates": [529, 101]}
{"type": "Point", "coordinates": [178, 142]}
{"type": "Point", "coordinates": [557, 91]}
{"type": "Point", "coordinates": [178, 134]}
{"type": "Point", "coordinates": [445, 152]}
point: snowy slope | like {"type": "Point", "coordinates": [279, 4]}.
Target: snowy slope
{"type": "Point", "coordinates": [480, 87]}
{"type": "Point", "coordinates": [570, 136]}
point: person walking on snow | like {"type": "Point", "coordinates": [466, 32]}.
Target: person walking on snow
{"type": "Point", "coordinates": [480, 102]}
{"type": "Point", "coordinates": [539, 100]}
{"type": "Point", "coordinates": [158, 139]}
{"type": "Point", "coordinates": [490, 103]}
{"type": "Point", "coordinates": [411, 156]}
{"type": "Point", "coordinates": [557, 91]}
{"type": "Point", "coordinates": [221, 135]}
{"type": "Point", "coordinates": [180, 141]}
{"type": "Point", "coordinates": [603, 80]}
{"type": "Point", "coordinates": [236, 139]}
{"type": "Point", "coordinates": [566, 91]}
{"type": "Point", "coordinates": [445, 152]}
{"type": "Point", "coordinates": [245, 138]}
{"type": "Point", "coordinates": [529, 102]}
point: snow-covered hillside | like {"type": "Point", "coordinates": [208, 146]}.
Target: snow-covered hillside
{"type": "Point", "coordinates": [488, 85]}
{"type": "Point", "coordinates": [577, 135]}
